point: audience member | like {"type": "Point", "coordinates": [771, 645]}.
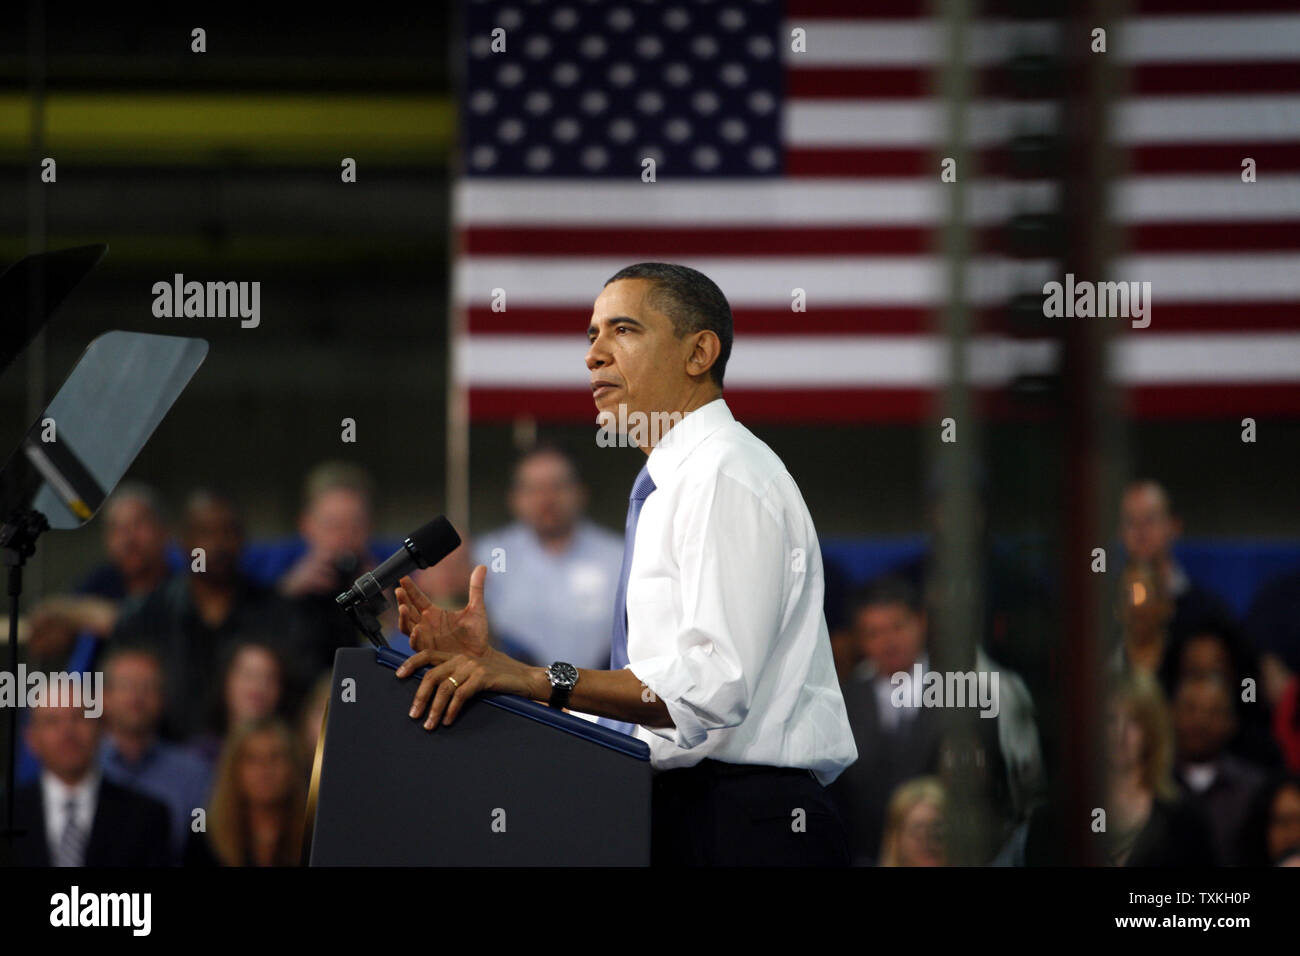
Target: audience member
{"type": "Point", "coordinates": [1220, 784]}
{"type": "Point", "coordinates": [195, 617]}
{"type": "Point", "coordinates": [896, 744]}
{"type": "Point", "coordinates": [132, 754]}
{"type": "Point", "coordinates": [1273, 834]}
{"type": "Point", "coordinates": [1145, 609]}
{"type": "Point", "coordinates": [1273, 626]}
{"type": "Point", "coordinates": [249, 686]}
{"type": "Point", "coordinates": [1146, 823]}
{"type": "Point", "coordinates": [72, 815]}
{"type": "Point", "coordinates": [258, 801]}
{"type": "Point", "coordinates": [1229, 658]}
{"type": "Point", "coordinates": [335, 525]}
{"type": "Point", "coordinates": [551, 573]}
{"type": "Point", "coordinates": [1149, 528]}
{"type": "Point", "coordinates": [913, 833]}
{"type": "Point", "coordinates": [135, 543]}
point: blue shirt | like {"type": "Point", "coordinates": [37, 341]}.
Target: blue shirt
{"type": "Point", "coordinates": [552, 607]}
{"type": "Point", "coordinates": [166, 772]}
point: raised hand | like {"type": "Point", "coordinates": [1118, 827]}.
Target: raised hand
{"type": "Point", "coordinates": [430, 628]}
{"type": "Point", "coordinates": [455, 646]}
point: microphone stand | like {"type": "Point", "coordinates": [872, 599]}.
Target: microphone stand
{"type": "Point", "coordinates": [364, 613]}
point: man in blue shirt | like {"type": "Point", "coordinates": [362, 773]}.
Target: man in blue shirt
{"type": "Point", "coordinates": [131, 754]}
{"type": "Point", "coordinates": [550, 572]}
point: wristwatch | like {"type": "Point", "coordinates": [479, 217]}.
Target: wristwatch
{"type": "Point", "coordinates": [563, 677]}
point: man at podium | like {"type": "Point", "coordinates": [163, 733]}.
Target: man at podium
{"type": "Point", "coordinates": [721, 660]}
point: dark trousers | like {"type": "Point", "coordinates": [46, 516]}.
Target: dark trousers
{"type": "Point", "coordinates": [720, 814]}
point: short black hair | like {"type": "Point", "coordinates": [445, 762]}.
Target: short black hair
{"type": "Point", "coordinates": [885, 590]}
{"type": "Point", "coordinates": [544, 448]}
{"type": "Point", "coordinates": [145, 494]}
{"type": "Point", "coordinates": [691, 299]}
{"type": "Point", "coordinates": [127, 646]}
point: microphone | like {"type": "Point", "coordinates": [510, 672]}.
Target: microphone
{"type": "Point", "coordinates": [426, 546]}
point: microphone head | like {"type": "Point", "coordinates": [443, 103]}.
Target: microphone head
{"type": "Point", "coordinates": [432, 542]}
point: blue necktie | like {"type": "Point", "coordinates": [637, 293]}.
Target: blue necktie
{"type": "Point", "coordinates": [641, 489]}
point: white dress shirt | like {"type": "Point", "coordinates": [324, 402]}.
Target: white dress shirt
{"type": "Point", "coordinates": [724, 606]}
{"type": "Point", "coordinates": [55, 794]}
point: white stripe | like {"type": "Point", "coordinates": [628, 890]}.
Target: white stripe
{"type": "Point", "coordinates": [1220, 277]}
{"type": "Point", "coordinates": [907, 43]}
{"type": "Point", "coordinates": [843, 280]}
{"type": "Point", "coordinates": [849, 43]}
{"type": "Point", "coordinates": [1204, 358]}
{"type": "Point", "coordinates": [902, 361]}
{"type": "Point", "coordinates": [1162, 119]}
{"type": "Point", "coordinates": [899, 123]}
{"type": "Point", "coordinates": [881, 280]}
{"type": "Point", "coordinates": [1209, 39]}
{"type": "Point", "coordinates": [1163, 39]}
{"type": "Point", "coordinates": [767, 361]}
{"type": "Point", "coordinates": [820, 202]}
{"type": "Point", "coordinates": [1218, 119]}
{"type": "Point", "coordinates": [853, 202]}
{"type": "Point", "coordinates": [1218, 198]}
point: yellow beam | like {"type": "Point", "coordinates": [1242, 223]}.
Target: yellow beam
{"type": "Point", "coordinates": [150, 127]}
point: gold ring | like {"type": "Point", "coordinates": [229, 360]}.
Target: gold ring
{"type": "Point", "coordinates": [454, 683]}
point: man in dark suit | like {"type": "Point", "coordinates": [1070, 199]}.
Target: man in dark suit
{"type": "Point", "coordinates": [894, 744]}
{"type": "Point", "coordinates": [71, 816]}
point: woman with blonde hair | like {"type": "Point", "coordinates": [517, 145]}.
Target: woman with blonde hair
{"type": "Point", "coordinates": [914, 825]}
{"type": "Point", "coordinates": [1146, 823]}
{"type": "Point", "coordinates": [255, 817]}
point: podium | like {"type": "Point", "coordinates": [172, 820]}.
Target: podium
{"type": "Point", "coordinates": [510, 783]}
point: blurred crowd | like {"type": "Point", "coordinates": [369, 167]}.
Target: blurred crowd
{"type": "Point", "coordinates": [216, 655]}
{"type": "Point", "coordinates": [1201, 740]}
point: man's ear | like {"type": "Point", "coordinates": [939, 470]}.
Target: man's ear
{"type": "Point", "coordinates": [704, 352]}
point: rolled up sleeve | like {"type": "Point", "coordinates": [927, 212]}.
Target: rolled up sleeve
{"type": "Point", "coordinates": [732, 553]}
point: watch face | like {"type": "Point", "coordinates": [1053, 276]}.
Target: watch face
{"type": "Point", "coordinates": [563, 674]}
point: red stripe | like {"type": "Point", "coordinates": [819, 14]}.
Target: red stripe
{"type": "Point", "coordinates": [842, 405]}
{"type": "Point", "coordinates": [1181, 79]}
{"type": "Point", "coordinates": [676, 242]}
{"type": "Point", "coordinates": [1214, 236]}
{"type": "Point", "coordinates": [1176, 79]}
{"type": "Point", "coordinates": [748, 321]}
{"type": "Point", "coordinates": [650, 243]}
{"type": "Point", "coordinates": [1214, 401]}
{"type": "Point", "coordinates": [857, 9]}
{"type": "Point", "coordinates": [831, 83]}
{"type": "Point", "coordinates": [1224, 317]}
{"type": "Point", "coordinates": [1212, 157]}
{"type": "Point", "coordinates": [849, 162]}
{"type": "Point", "coordinates": [890, 320]}
{"type": "Point", "coordinates": [865, 405]}
{"type": "Point", "coordinates": [924, 9]}
{"type": "Point", "coordinates": [1191, 7]}
{"type": "Point", "coordinates": [1180, 158]}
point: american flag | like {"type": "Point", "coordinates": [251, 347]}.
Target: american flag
{"type": "Point", "coordinates": [818, 170]}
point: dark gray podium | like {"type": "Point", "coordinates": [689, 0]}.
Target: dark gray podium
{"type": "Point", "coordinates": [510, 783]}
